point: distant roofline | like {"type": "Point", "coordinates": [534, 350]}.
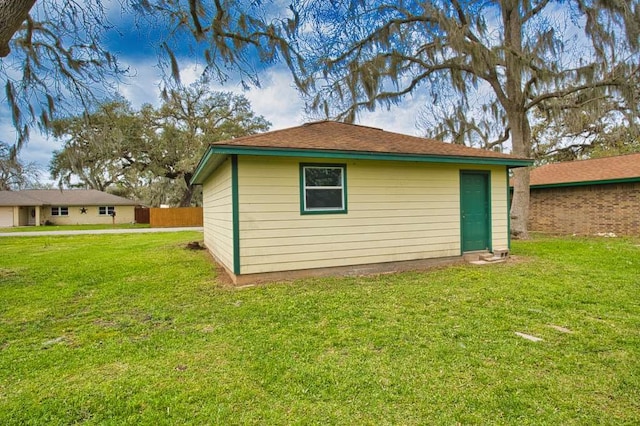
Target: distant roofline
{"type": "Point", "coordinates": [584, 183]}
{"type": "Point", "coordinates": [590, 171]}
{"type": "Point", "coordinates": [309, 123]}
{"type": "Point", "coordinates": [34, 197]}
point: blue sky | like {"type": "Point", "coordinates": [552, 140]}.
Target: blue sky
{"type": "Point", "coordinates": [277, 99]}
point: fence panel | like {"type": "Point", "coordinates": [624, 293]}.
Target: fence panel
{"type": "Point", "coordinates": [175, 216]}
{"type": "Point", "coordinates": [142, 215]}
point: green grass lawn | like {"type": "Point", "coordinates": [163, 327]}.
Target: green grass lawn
{"type": "Point", "coordinates": [73, 227]}
{"type": "Point", "coordinates": [134, 329]}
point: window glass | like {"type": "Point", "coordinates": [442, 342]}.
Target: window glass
{"type": "Point", "coordinates": [324, 188]}
{"type": "Point", "coordinates": [324, 198]}
{"type": "Point", "coordinates": [323, 176]}
{"type": "Point", "coordinates": [59, 211]}
{"type": "Point", "coordinates": [106, 210]}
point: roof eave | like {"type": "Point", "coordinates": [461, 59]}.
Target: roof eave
{"type": "Point", "coordinates": [366, 155]}
{"type": "Point", "coordinates": [585, 183]}
{"type": "Point", "coordinates": [216, 154]}
{"type": "Point", "coordinates": [208, 163]}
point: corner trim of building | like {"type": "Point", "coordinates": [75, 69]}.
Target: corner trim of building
{"type": "Point", "coordinates": [235, 214]}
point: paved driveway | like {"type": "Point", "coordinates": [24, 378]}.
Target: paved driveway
{"type": "Point", "coordinates": [98, 231]}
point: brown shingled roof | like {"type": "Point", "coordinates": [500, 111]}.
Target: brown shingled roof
{"type": "Point", "coordinates": [336, 136]}
{"type": "Point", "coordinates": [17, 198]}
{"type": "Point", "coordinates": [67, 197]}
{"type": "Point", "coordinates": [597, 169]}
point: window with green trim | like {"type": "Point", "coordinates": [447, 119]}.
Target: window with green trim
{"type": "Point", "coordinates": [323, 188]}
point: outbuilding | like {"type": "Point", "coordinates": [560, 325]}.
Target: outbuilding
{"type": "Point", "coordinates": [587, 197]}
{"type": "Point", "coordinates": [335, 198]}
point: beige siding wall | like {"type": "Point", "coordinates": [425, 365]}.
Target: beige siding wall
{"type": "Point", "coordinates": [499, 207]}
{"type": "Point", "coordinates": [6, 217]}
{"type": "Point", "coordinates": [124, 214]}
{"type": "Point", "coordinates": [217, 216]}
{"type": "Point", "coordinates": [396, 211]}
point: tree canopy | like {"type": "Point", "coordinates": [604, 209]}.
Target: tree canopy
{"type": "Point", "coordinates": [56, 61]}
{"type": "Point", "coordinates": [150, 154]}
{"type": "Point", "coordinates": [491, 68]}
{"type": "Point", "coordinates": [14, 174]}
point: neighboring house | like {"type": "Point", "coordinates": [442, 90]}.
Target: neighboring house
{"type": "Point", "coordinates": [63, 207]}
{"type": "Point", "coordinates": [587, 197]}
{"type": "Point", "coordinates": [332, 198]}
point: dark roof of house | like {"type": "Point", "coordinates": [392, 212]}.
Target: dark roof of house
{"type": "Point", "coordinates": [607, 169]}
{"type": "Point", "coordinates": [340, 140]}
{"type": "Point", "coordinates": [66, 197]}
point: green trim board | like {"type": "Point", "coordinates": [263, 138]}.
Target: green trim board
{"type": "Point", "coordinates": [586, 183]}
{"type": "Point", "coordinates": [490, 211]}
{"type": "Point", "coordinates": [362, 155]}
{"type": "Point", "coordinates": [235, 214]}
{"type": "Point", "coordinates": [475, 211]}
{"type": "Point", "coordinates": [508, 213]}
{"type": "Point", "coordinates": [204, 168]}
{"type": "Point", "coordinates": [303, 210]}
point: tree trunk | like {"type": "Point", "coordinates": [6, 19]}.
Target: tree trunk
{"type": "Point", "coordinates": [520, 204]}
{"type": "Point", "coordinates": [521, 146]}
{"type": "Point", "coordinates": [188, 192]}
{"type": "Point", "coordinates": [514, 105]}
{"type": "Point", "coordinates": [12, 14]}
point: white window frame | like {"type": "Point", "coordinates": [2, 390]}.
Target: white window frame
{"type": "Point", "coordinates": [304, 188]}
{"type": "Point", "coordinates": [108, 210]}
{"type": "Point", "coordinates": [59, 211]}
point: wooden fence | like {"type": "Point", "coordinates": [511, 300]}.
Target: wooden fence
{"type": "Point", "coordinates": [175, 216]}
{"type": "Point", "coordinates": [142, 214]}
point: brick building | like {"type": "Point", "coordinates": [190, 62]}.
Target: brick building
{"type": "Point", "coordinates": [587, 197]}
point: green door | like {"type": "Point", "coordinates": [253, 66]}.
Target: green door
{"type": "Point", "coordinates": [475, 211]}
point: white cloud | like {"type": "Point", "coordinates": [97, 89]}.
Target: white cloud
{"type": "Point", "coordinates": [399, 118]}
{"type": "Point", "coordinates": [39, 150]}
{"type": "Point", "coordinates": [143, 86]}
{"type": "Point", "coordinates": [277, 100]}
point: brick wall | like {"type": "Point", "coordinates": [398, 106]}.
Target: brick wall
{"type": "Point", "coordinates": [587, 210]}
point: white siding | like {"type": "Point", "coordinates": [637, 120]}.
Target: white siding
{"type": "Point", "coordinates": [396, 211]}
{"type": "Point", "coordinates": [218, 214]}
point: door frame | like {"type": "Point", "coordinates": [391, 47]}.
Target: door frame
{"type": "Point", "coordinates": [32, 216]}
{"type": "Point", "coordinates": [487, 176]}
